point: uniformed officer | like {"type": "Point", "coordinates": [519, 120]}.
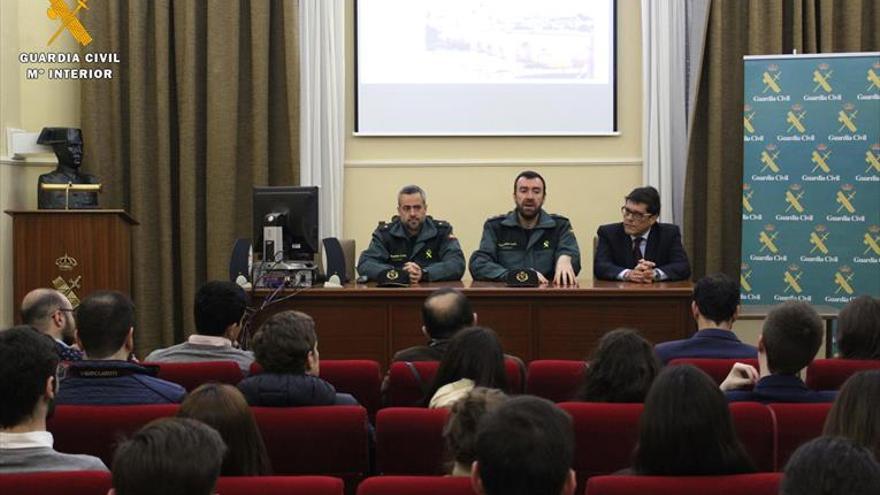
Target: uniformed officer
{"type": "Point", "coordinates": [413, 242]}
{"type": "Point", "coordinates": [528, 237]}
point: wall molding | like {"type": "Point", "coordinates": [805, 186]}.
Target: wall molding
{"type": "Point", "coordinates": [5, 160]}
{"type": "Point", "coordinates": [494, 162]}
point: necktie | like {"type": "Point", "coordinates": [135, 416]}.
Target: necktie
{"type": "Point", "coordinates": [637, 252]}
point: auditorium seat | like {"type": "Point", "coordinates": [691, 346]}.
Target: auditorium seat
{"type": "Point", "coordinates": [411, 485]}
{"type": "Point", "coordinates": [796, 424]}
{"type": "Point", "coordinates": [325, 440]}
{"type": "Point", "coordinates": [555, 379]}
{"type": "Point", "coordinates": [409, 440]}
{"type": "Point", "coordinates": [191, 375]}
{"type": "Point", "coordinates": [279, 485]}
{"type": "Point", "coordinates": [604, 435]}
{"type": "Point", "coordinates": [716, 368]}
{"type": "Point", "coordinates": [361, 378]}
{"type": "Point", "coordinates": [755, 429]}
{"type": "Point", "coordinates": [409, 381]}
{"type": "Point", "coordinates": [96, 430]}
{"type": "Point", "coordinates": [829, 374]}
{"type": "Point", "coordinates": [56, 483]}
{"type": "Point", "coordinates": [738, 484]}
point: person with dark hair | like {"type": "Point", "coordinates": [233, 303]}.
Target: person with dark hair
{"type": "Point", "coordinates": [460, 431]}
{"type": "Point", "coordinates": [856, 411]}
{"type": "Point", "coordinates": [107, 375]}
{"type": "Point", "coordinates": [528, 238]}
{"type": "Point", "coordinates": [286, 346]}
{"type": "Point", "coordinates": [444, 312]}
{"type": "Point", "coordinates": [641, 249]}
{"type": "Point", "coordinates": [50, 312]}
{"type": "Point", "coordinates": [831, 466]}
{"type": "Point", "coordinates": [218, 309]}
{"type": "Point", "coordinates": [790, 338]}
{"type": "Point", "coordinates": [171, 456]}
{"type": "Point", "coordinates": [686, 428]}
{"type": "Point", "coordinates": [474, 359]}
{"type": "Point", "coordinates": [525, 447]}
{"type": "Point", "coordinates": [28, 364]}
{"type": "Point", "coordinates": [621, 369]}
{"type": "Point", "coordinates": [715, 307]}
{"type": "Point", "coordinates": [858, 329]}
{"type": "Point", "coordinates": [413, 242]}
{"type": "Point", "coordinates": [224, 408]}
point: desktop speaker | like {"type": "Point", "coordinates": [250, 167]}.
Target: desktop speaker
{"type": "Point", "coordinates": [335, 258]}
{"type": "Point", "coordinates": [239, 261]}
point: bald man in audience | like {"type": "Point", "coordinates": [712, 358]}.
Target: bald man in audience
{"type": "Point", "coordinates": [50, 312]}
{"type": "Point", "coordinates": [444, 312]}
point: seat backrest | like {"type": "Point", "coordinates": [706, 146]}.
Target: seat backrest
{"type": "Point", "coordinates": [279, 485]}
{"type": "Point", "coordinates": [361, 378]}
{"type": "Point", "coordinates": [756, 430]}
{"type": "Point", "coordinates": [604, 434]}
{"type": "Point", "coordinates": [96, 430]}
{"type": "Point", "coordinates": [737, 484]}
{"type": "Point", "coordinates": [49, 483]}
{"type": "Point", "coordinates": [829, 374]}
{"type": "Point", "coordinates": [191, 375]}
{"type": "Point", "coordinates": [408, 381]}
{"type": "Point", "coordinates": [716, 368]}
{"type": "Point", "coordinates": [409, 440]}
{"type": "Point", "coordinates": [555, 379]}
{"type": "Point", "coordinates": [324, 440]}
{"type": "Point", "coordinates": [796, 424]}
{"type": "Point", "coordinates": [423, 485]}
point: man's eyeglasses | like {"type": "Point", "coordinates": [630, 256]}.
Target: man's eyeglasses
{"type": "Point", "coordinates": [635, 215]}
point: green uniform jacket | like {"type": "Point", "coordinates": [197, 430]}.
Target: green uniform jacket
{"type": "Point", "coordinates": [436, 250]}
{"type": "Point", "coordinates": [507, 246]}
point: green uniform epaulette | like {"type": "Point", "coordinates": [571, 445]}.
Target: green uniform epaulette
{"type": "Point", "coordinates": [557, 216]}
{"type": "Point", "coordinates": [497, 217]}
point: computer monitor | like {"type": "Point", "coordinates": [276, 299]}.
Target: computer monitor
{"type": "Point", "coordinates": [295, 210]}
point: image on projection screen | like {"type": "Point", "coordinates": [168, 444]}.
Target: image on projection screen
{"type": "Point", "coordinates": [484, 67]}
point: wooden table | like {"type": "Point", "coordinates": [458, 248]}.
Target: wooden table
{"type": "Point", "coordinates": [368, 322]}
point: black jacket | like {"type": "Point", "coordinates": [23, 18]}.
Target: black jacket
{"type": "Point", "coordinates": [285, 390]}
{"type": "Point", "coordinates": [614, 252]}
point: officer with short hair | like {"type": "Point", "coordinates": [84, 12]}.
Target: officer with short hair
{"type": "Point", "coordinates": [414, 243]}
{"type": "Point", "coordinates": [528, 237]}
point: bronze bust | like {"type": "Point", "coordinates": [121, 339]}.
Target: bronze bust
{"type": "Point", "coordinates": [67, 144]}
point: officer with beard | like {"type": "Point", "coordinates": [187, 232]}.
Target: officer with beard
{"type": "Point", "coordinates": [528, 238]}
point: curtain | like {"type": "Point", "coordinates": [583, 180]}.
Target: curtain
{"type": "Point", "coordinates": [713, 190]}
{"type": "Point", "coordinates": [203, 106]}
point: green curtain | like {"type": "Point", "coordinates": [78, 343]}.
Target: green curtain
{"type": "Point", "coordinates": [713, 186]}
{"type": "Point", "coordinates": [204, 105]}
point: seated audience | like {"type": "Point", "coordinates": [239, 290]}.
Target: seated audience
{"type": "Point", "coordinates": [831, 466]}
{"type": "Point", "coordinates": [686, 428]}
{"type": "Point", "coordinates": [715, 307]}
{"type": "Point", "coordinates": [524, 447]}
{"type": "Point", "coordinates": [858, 329]}
{"type": "Point", "coordinates": [460, 431]}
{"type": "Point", "coordinates": [106, 376]}
{"type": "Point", "coordinates": [286, 347]}
{"type": "Point", "coordinates": [856, 411]}
{"type": "Point", "coordinates": [50, 312]}
{"type": "Point", "coordinates": [171, 456]}
{"type": "Point", "coordinates": [790, 338]}
{"type": "Point", "coordinates": [218, 310]}
{"type": "Point", "coordinates": [444, 312]}
{"type": "Point", "coordinates": [621, 369]}
{"type": "Point", "coordinates": [28, 363]}
{"type": "Point", "coordinates": [223, 408]}
{"type": "Point", "coordinates": [474, 359]}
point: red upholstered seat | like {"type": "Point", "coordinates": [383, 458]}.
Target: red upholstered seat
{"type": "Point", "coordinates": [755, 428]}
{"type": "Point", "coordinates": [796, 424]}
{"type": "Point", "coordinates": [408, 381]}
{"type": "Point", "coordinates": [411, 485]}
{"type": "Point", "coordinates": [326, 440]}
{"type": "Point", "coordinates": [51, 483]}
{"type": "Point", "coordinates": [279, 485]}
{"type": "Point", "coordinates": [191, 375]}
{"type": "Point", "coordinates": [829, 374]}
{"type": "Point", "coordinates": [739, 484]}
{"type": "Point", "coordinates": [716, 368]}
{"type": "Point", "coordinates": [409, 440]}
{"type": "Point", "coordinates": [96, 430]}
{"type": "Point", "coordinates": [554, 379]}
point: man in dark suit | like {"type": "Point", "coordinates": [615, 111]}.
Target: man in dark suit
{"type": "Point", "coordinates": [640, 249]}
{"type": "Point", "coordinates": [715, 307]}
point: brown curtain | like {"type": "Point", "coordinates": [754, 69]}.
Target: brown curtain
{"type": "Point", "coordinates": [713, 188]}
{"type": "Point", "coordinates": [203, 106]}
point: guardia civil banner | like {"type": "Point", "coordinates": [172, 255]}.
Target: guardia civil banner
{"type": "Point", "coordinates": [811, 178]}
